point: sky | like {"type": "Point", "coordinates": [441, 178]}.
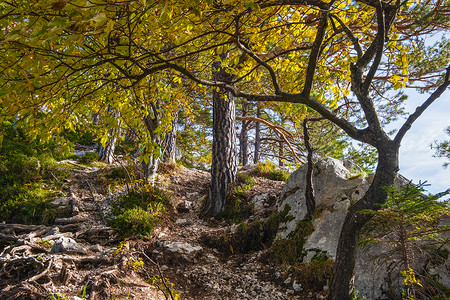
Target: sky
{"type": "Point", "coordinates": [416, 156]}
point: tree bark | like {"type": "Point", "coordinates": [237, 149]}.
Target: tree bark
{"type": "Point", "coordinates": [224, 154]}
{"type": "Point", "coordinates": [346, 251]}
{"type": "Point", "coordinates": [257, 155]}
{"type": "Point", "coordinates": [309, 191]}
{"type": "Point", "coordinates": [149, 168]}
{"type": "Point", "coordinates": [170, 141]}
{"type": "Point", "coordinates": [106, 153]}
{"type": "Point", "coordinates": [243, 137]}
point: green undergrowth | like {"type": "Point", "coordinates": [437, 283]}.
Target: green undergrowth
{"type": "Point", "coordinates": [88, 157]}
{"type": "Point", "coordinates": [115, 176]}
{"type": "Point", "coordinates": [239, 206]}
{"type": "Point", "coordinates": [314, 275]}
{"type": "Point", "coordinates": [290, 250]}
{"type": "Point", "coordinates": [140, 210]}
{"type": "Point", "coordinates": [270, 171]}
{"type": "Point", "coordinates": [30, 178]}
{"type": "Point", "coordinates": [253, 236]}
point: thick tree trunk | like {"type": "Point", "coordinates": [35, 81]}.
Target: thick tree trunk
{"type": "Point", "coordinates": [170, 141]}
{"type": "Point", "coordinates": [149, 168]}
{"type": "Point", "coordinates": [257, 155]}
{"type": "Point", "coordinates": [224, 154]}
{"type": "Point", "coordinates": [243, 137]}
{"type": "Point", "coordinates": [106, 153]}
{"type": "Point", "coordinates": [346, 252]}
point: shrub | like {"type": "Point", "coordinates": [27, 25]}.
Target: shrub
{"type": "Point", "coordinates": [88, 157]}
{"type": "Point", "coordinates": [270, 171]}
{"type": "Point", "coordinates": [290, 251]}
{"type": "Point", "coordinates": [238, 206]}
{"type": "Point", "coordinates": [254, 236]}
{"type": "Point", "coordinates": [139, 211]}
{"type": "Point", "coordinates": [315, 275]}
{"type": "Point", "coordinates": [138, 220]}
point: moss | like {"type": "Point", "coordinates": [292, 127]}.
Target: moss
{"type": "Point", "coordinates": [28, 177]}
{"type": "Point", "coordinates": [239, 206]}
{"type": "Point", "coordinates": [290, 251]}
{"type": "Point", "coordinates": [254, 236]}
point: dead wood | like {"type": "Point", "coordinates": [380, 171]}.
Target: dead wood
{"type": "Point", "coordinates": [75, 220]}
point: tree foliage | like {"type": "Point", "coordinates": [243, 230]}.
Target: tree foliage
{"type": "Point", "coordinates": [343, 59]}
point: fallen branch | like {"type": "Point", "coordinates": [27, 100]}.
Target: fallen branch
{"type": "Point", "coordinates": [96, 203]}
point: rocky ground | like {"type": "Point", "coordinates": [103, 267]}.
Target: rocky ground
{"type": "Point", "coordinates": [82, 257]}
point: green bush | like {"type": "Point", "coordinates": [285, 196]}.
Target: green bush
{"type": "Point", "coordinates": [138, 220]}
{"type": "Point", "coordinates": [88, 157]}
{"type": "Point", "coordinates": [139, 211]}
{"type": "Point", "coordinates": [270, 171]}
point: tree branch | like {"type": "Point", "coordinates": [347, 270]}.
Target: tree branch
{"type": "Point", "coordinates": [420, 109]}
{"type": "Point", "coordinates": [315, 52]}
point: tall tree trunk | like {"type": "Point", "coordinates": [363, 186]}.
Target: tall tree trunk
{"type": "Point", "coordinates": [224, 154]}
{"type": "Point", "coordinates": [106, 152]}
{"type": "Point", "coordinates": [257, 155]}
{"type": "Point", "coordinates": [170, 141]}
{"type": "Point", "coordinates": [149, 168]}
{"type": "Point", "coordinates": [243, 137]}
{"type": "Point", "coordinates": [346, 252]}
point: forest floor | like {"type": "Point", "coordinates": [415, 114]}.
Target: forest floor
{"type": "Point", "coordinates": [92, 261]}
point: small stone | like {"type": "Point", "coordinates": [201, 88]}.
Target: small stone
{"type": "Point", "coordinates": [287, 281]}
{"type": "Point", "coordinates": [239, 290]}
{"type": "Point", "coordinates": [297, 286]}
{"type": "Point", "coordinates": [290, 292]}
{"type": "Point", "coordinates": [181, 221]}
{"type": "Point", "coordinates": [65, 244]}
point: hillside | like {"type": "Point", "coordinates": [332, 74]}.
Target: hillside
{"type": "Point", "coordinates": [81, 256]}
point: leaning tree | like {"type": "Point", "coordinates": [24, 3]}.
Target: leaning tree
{"type": "Point", "coordinates": [343, 59]}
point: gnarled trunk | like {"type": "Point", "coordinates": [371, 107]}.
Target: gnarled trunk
{"type": "Point", "coordinates": [149, 168]}
{"type": "Point", "coordinates": [106, 153]}
{"type": "Point", "coordinates": [346, 252]}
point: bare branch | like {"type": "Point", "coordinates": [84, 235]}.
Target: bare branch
{"type": "Point", "coordinates": [420, 109]}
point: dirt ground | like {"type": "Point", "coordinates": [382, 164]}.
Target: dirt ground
{"type": "Point", "coordinates": [99, 264]}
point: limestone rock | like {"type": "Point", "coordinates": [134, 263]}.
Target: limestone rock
{"type": "Point", "coordinates": [62, 206]}
{"type": "Point", "coordinates": [331, 184]}
{"type": "Point", "coordinates": [259, 202]}
{"type": "Point", "coordinates": [65, 244]}
{"type": "Point", "coordinates": [337, 184]}
{"type": "Point", "coordinates": [183, 249]}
